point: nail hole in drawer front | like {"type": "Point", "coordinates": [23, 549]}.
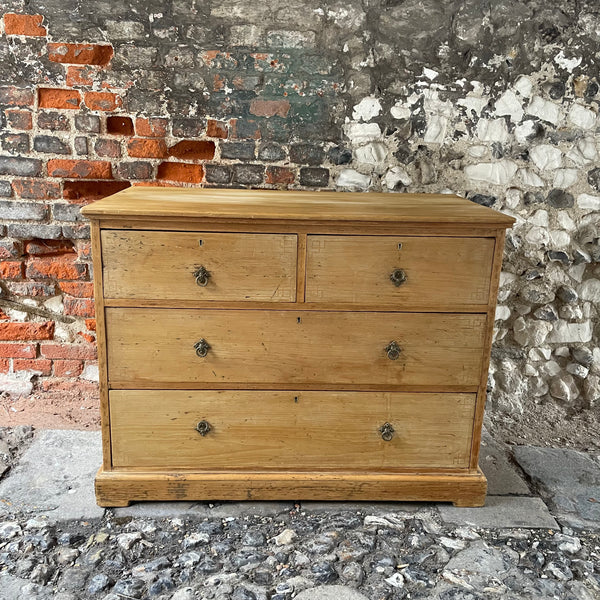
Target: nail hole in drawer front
{"type": "Point", "coordinates": [239, 428]}
{"type": "Point", "coordinates": [416, 271]}
{"type": "Point", "coordinates": [174, 265]}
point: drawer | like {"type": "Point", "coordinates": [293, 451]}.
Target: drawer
{"type": "Point", "coordinates": [289, 430]}
{"type": "Point", "coordinates": [166, 265]}
{"type": "Point", "coordinates": [399, 270]}
{"type": "Point", "coordinates": [157, 346]}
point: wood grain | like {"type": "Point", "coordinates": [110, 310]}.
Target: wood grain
{"type": "Point", "coordinates": [154, 345]}
{"type": "Point", "coordinates": [357, 269]}
{"type": "Point", "coordinates": [158, 264]}
{"type": "Point", "coordinates": [119, 488]}
{"type": "Point", "coordinates": [168, 203]}
{"type": "Point", "coordinates": [290, 430]}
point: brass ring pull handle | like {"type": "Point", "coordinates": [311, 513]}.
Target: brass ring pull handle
{"type": "Point", "coordinates": [203, 428]}
{"type": "Point", "coordinates": [397, 277]}
{"type": "Point", "coordinates": [202, 276]}
{"type": "Point", "coordinates": [387, 432]}
{"type": "Point", "coordinates": [393, 350]}
{"type": "Point", "coordinates": [201, 347]}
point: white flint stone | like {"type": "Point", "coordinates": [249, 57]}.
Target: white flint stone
{"type": "Point", "coordinates": [492, 130]}
{"type": "Point", "coordinates": [502, 313]}
{"type": "Point", "coordinates": [524, 86]}
{"type": "Point", "coordinates": [367, 109]}
{"type": "Point", "coordinates": [507, 278]}
{"type": "Point", "coordinates": [568, 333]}
{"type": "Point", "coordinates": [564, 388]}
{"type": "Point", "coordinates": [90, 373]}
{"type": "Point", "coordinates": [550, 368]}
{"type": "Point", "coordinates": [590, 290]}
{"type": "Point", "coordinates": [539, 387]}
{"type": "Point", "coordinates": [395, 176]}
{"type": "Point", "coordinates": [373, 153]}
{"type": "Point", "coordinates": [509, 105]}
{"type": "Point", "coordinates": [531, 333]}
{"type": "Point", "coordinates": [349, 178]}
{"type": "Point", "coordinates": [570, 312]}
{"type": "Point", "coordinates": [583, 152]}
{"type": "Point", "coordinates": [562, 351]}
{"type": "Point", "coordinates": [474, 103]}
{"type": "Point", "coordinates": [544, 110]}
{"type": "Point", "coordinates": [512, 199]}
{"type": "Point", "coordinates": [577, 271]}
{"type": "Point", "coordinates": [565, 178]}
{"type": "Point", "coordinates": [362, 133]}
{"type": "Point", "coordinates": [546, 157]}
{"type": "Point", "coordinates": [497, 173]}
{"type": "Point", "coordinates": [528, 177]}
{"type": "Point", "coordinates": [436, 129]}
{"type": "Point", "coordinates": [559, 239]}
{"type": "Point", "coordinates": [399, 111]}
{"type": "Point", "coordinates": [430, 73]}
{"type": "Point", "coordinates": [530, 371]}
{"type": "Point", "coordinates": [567, 63]}
{"type": "Point", "coordinates": [477, 151]}
{"type": "Point", "coordinates": [578, 370]}
{"type": "Point", "coordinates": [537, 236]}
{"type": "Point", "coordinates": [537, 354]}
{"type": "Point", "coordinates": [539, 217]}
{"type": "Point", "coordinates": [287, 536]}
{"type": "Point", "coordinates": [582, 117]}
{"type": "Point", "coordinates": [588, 202]}
{"type": "Point", "coordinates": [524, 131]}
{"type": "Point", "coordinates": [17, 384]}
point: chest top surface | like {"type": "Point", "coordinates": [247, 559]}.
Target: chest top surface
{"type": "Point", "coordinates": [270, 205]}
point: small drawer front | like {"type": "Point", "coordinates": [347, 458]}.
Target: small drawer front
{"type": "Point", "coordinates": [157, 346]}
{"type": "Point", "coordinates": [174, 265]}
{"type": "Point", "coordinates": [399, 270]}
{"type": "Point", "coordinates": [228, 430]}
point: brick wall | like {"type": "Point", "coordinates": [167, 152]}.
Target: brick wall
{"type": "Point", "coordinates": [495, 101]}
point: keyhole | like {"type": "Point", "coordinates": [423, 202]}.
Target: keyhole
{"type": "Point", "coordinates": [400, 246]}
{"type": "Point", "coordinates": [299, 320]}
{"type": "Point", "coordinates": [296, 399]}
{"type": "Point", "coordinates": [200, 242]}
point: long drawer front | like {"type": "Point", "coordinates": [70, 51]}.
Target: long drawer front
{"type": "Point", "coordinates": [158, 346]}
{"type": "Point", "coordinates": [216, 430]}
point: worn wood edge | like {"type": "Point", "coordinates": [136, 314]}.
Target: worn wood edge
{"type": "Point", "coordinates": [101, 344]}
{"type": "Point", "coordinates": [117, 488]}
{"type": "Point", "coordinates": [301, 269]}
{"type": "Point", "coordinates": [487, 349]}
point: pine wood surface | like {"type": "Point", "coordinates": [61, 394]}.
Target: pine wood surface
{"type": "Point", "coordinates": [290, 430]}
{"type": "Point", "coordinates": [241, 266]}
{"type": "Point", "coordinates": [157, 345]}
{"type": "Point", "coordinates": [313, 206]}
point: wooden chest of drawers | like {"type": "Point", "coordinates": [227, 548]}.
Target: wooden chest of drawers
{"type": "Point", "coordinates": [293, 345]}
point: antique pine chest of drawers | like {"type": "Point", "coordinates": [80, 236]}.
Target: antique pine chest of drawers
{"type": "Point", "coordinates": [293, 345]}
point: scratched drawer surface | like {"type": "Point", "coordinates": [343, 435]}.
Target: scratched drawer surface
{"type": "Point", "coordinates": [290, 430]}
{"type": "Point", "coordinates": [398, 270]}
{"type": "Point", "coordinates": [200, 266]}
{"type": "Point", "coordinates": [208, 346]}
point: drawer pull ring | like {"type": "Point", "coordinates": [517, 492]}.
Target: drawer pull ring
{"type": "Point", "coordinates": [202, 276]}
{"type": "Point", "coordinates": [393, 350]}
{"type": "Point", "coordinates": [203, 428]}
{"type": "Point", "coordinates": [202, 347]}
{"type": "Point", "coordinates": [397, 277]}
{"type": "Point", "coordinates": [387, 432]}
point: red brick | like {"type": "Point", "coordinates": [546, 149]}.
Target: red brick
{"type": "Point", "coordinates": [84, 169]}
{"type": "Point", "coordinates": [217, 129]}
{"type": "Point", "coordinates": [102, 100]}
{"type": "Point", "coordinates": [40, 365]}
{"type": "Point", "coordinates": [19, 119]}
{"type": "Point", "coordinates": [80, 54]}
{"type": "Point", "coordinates": [49, 247]}
{"type": "Point", "coordinates": [147, 148]}
{"type": "Point", "coordinates": [4, 365]}
{"type": "Point", "coordinates": [119, 125]}
{"type": "Point", "coordinates": [68, 368]}
{"type": "Point", "coordinates": [184, 172]}
{"type": "Point", "coordinates": [33, 289]}
{"type": "Point", "coordinates": [88, 337]}
{"type": "Point", "coordinates": [84, 389]}
{"type": "Point", "coordinates": [193, 150]}
{"type": "Point", "coordinates": [151, 127]}
{"type": "Point", "coordinates": [27, 331]}
{"type": "Point", "coordinates": [30, 25]}
{"type": "Point", "coordinates": [279, 175]}
{"type": "Point", "coordinates": [14, 96]}
{"type": "Point", "coordinates": [69, 351]}
{"type": "Point", "coordinates": [270, 108]}
{"type": "Point", "coordinates": [81, 75]}
{"type": "Point", "coordinates": [37, 189]}
{"type": "Point", "coordinates": [79, 307]}
{"type": "Point", "coordinates": [58, 98]}
{"type": "Point", "coordinates": [15, 350]}
{"type": "Point", "coordinates": [108, 147]}
{"type": "Point", "coordinates": [11, 269]}
{"type": "Point", "coordinates": [91, 324]}
{"type": "Point", "coordinates": [3, 316]}
{"type": "Point", "coordinates": [55, 267]}
{"type": "Point", "coordinates": [83, 192]}
{"type": "Point", "coordinates": [79, 289]}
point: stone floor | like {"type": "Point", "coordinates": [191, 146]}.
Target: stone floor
{"type": "Point", "coordinates": [537, 537]}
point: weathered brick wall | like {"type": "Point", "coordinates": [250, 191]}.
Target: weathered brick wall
{"type": "Point", "coordinates": [497, 101]}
